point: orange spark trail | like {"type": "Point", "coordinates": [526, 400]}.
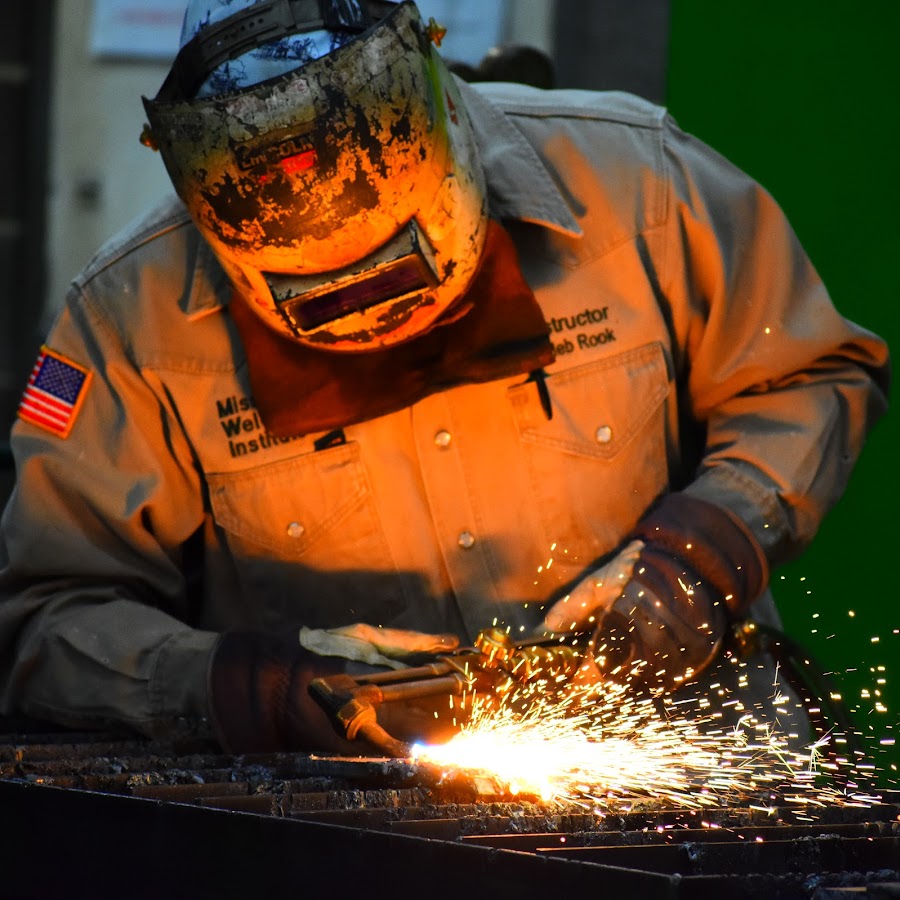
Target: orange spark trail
{"type": "Point", "coordinates": [600, 749]}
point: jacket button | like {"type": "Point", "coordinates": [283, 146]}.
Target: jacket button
{"type": "Point", "coordinates": [466, 540]}
{"type": "Point", "coordinates": [442, 439]}
{"type": "Point", "coordinates": [295, 530]}
{"type": "Point", "coordinates": [603, 434]}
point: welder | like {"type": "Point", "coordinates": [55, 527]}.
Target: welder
{"type": "Point", "coordinates": [311, 410]}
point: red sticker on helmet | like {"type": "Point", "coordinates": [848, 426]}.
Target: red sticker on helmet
{"type": "Point", "coordinates": [299, 162]}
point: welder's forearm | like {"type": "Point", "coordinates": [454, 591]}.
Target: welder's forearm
{"type": "Point", "coordinates": [785, 388]}
{"type": "Point", "coordinates": [86, 661]}
{"type": "Point", "coordinates": [781, 462]}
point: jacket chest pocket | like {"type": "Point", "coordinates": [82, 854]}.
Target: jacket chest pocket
{"type": "Point", "coordinates": [598, 462]}
{"type": "Point", "coordinates": [306, 539]}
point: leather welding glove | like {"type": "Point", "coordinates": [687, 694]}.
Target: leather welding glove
{"type": "Point", "coordinates": [694, 567]}
{"type": "Point", "coordinates": [259, 687]}
{"type": "Point", "coordinates": [391, 647]}
{"type": "Point", "coordinates": [431, 719]}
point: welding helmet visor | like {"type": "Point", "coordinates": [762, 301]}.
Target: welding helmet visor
{"type": "Point", "coordinates": [344, 199]}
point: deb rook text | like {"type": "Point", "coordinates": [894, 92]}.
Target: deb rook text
{"type": "Point", "coordinates": [585, 336]}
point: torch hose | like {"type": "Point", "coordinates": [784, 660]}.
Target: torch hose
{"type": "Point", "coordinates": [804, 673]}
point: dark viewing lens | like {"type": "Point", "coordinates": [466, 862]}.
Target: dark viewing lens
{"type": "Point", "coordinates": [402, 278]}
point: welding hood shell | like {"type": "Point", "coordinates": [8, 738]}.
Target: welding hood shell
{"type": "Point", "coordinates": [344, 199]}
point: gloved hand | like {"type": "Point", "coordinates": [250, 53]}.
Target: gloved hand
{"type": "Point", "coordinates": [258, 685]}
{"type": "Point", "coordinates": [660, 608]}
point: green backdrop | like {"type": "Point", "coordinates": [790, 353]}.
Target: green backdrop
{"type": "Point", "coordinates": [802, 94]}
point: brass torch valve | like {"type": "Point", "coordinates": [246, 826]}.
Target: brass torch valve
{"type": "Point", "coordinates": [518, 663]}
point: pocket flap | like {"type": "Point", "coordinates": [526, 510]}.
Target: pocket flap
{"type": "Point", "coordinates": [288, 505]}
{"type": "Point", "coordinates": [598, 407]}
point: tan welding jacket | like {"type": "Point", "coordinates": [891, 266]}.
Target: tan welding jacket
{"type": "Point", "coordinates": [695, 347]}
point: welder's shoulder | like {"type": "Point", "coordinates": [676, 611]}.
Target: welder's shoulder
{"type": "Point", "coordinates": [157, 229]}
{"type": "Point", "coordinates": [605, 151]}
{"type": "Point", "coordinates": [615, 108]}
{"type": "Point", "coordinates": [155, 270]}
{"type": "Point", "coordinates": [611, 133]}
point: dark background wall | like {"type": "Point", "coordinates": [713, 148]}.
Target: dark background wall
{"type": "Point", "coordinates": [24, 102]}
{"type": "Point", "coordinates": [803, 96]}
{"type": "Point", "coordinates": [613, 44]}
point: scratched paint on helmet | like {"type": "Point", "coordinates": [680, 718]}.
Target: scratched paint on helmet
{"type": "Point", "coordinates": [362, 159]}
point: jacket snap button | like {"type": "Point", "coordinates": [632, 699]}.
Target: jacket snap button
{"type": "Point", "coordinates": [442, 439]}
{"type": "Point", "coordinates": [295, 530]}
{"type": "Point", "coordinates": [466, 540]}
{"type": "Point", "coordinates": [604, 434]}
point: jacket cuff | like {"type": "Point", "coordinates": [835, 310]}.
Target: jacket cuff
{"type": "Point", "coordinates": [178, 686]}
{"type": "Point", "coordinates": [717, 545]}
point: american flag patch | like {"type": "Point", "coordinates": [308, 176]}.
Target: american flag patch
{"type": "Point", "coordinates": [54, 393]}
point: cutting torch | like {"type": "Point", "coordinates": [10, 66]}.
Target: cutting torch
{"type": "Point", "coordinates": [494, 665]}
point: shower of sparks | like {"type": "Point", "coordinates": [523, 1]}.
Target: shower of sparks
{"type": "Point", "coordinates": [606, 748]}
{"type": "Point", "coordinates": [602, 749]}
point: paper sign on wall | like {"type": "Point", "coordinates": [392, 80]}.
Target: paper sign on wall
{"type": "Point", "coordinates": [131, 29]}
{"type": "Point", "coordinates": [150, 30]}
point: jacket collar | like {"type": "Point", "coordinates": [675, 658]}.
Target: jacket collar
{"type": "Point", "coordinates": [519, 184]}
{"type": "Point", "coordinates": [210, 288]}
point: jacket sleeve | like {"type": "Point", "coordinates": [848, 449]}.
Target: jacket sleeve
{"type": "Point", "coordinates": [784, 387]}
{"type": "Point", "coordinates": [95, 599]}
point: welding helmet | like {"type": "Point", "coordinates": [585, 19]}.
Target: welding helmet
{"type": "Point", "coordinates": [344, 196]}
